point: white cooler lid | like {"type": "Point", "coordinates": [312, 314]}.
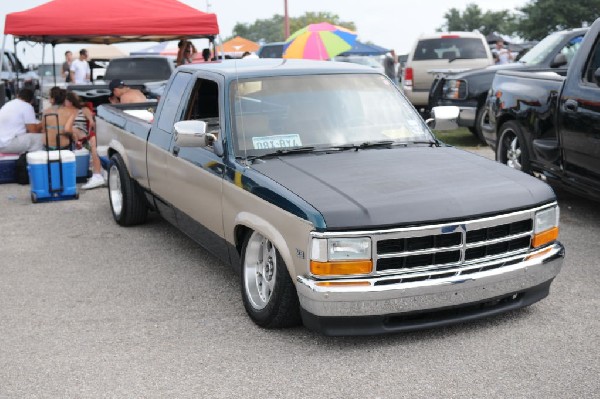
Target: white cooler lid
{"type": "Point", "coordinates": [41, 157]}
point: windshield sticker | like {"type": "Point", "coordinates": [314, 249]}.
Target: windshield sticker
{"type": "Point", "coordinates": [277, 141]}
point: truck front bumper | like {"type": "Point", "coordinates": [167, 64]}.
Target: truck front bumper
{"type": "Point", "coordinates": [501, 286]}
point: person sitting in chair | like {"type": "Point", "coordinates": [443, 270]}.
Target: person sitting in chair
{"type": "Point", "coordinates": [19, 126]}
{"type": "Point", "coordinates": [54, 120]}
{"type": "Point", "coordinates": [120, 93]}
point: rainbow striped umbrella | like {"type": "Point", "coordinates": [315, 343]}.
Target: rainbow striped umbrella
{"type": "Point", "coordinates": [319, 42]}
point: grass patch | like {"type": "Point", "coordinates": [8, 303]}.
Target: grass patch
{"type": "Point", "coordinates": [460, 137]}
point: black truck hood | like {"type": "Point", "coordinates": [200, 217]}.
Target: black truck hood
{"type": "Point", "coordinates": [403, 186]}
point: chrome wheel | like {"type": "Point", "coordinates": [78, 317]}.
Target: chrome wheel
{"type": "Point", "coordinates": [114, 188]}
{"type": "Point", "coordinates": [260, 268]}
{"type": "Point", "coordinates": [513, 154]}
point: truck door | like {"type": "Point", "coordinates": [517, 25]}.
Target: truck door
{"type": "Point", "coordinates": [159, 143]}
{"type": "Point", "coordinates": [196, 174]}
{"type": "Point", "coordinates": [579, 120]}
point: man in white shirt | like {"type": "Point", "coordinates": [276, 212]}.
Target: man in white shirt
{"type": "Point", "coordinates": [80, 69]}
{"type": "Point", "coordinates": [503, 55]}
{"type": "Point", "coordinates": [19, 128]}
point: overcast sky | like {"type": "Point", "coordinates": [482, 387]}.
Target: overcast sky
{"type": "Point", "coordinates": [388, 23]}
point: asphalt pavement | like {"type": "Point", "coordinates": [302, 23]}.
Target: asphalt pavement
{"type": "Point", "coordinates": [89, 309]}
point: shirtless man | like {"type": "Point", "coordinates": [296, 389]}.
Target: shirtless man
{"type": "Point", "coordinates": [124, 94]}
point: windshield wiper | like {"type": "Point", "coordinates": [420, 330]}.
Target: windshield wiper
{"type": "Point", "coordinates": [457, 58]}
{"type": "Point", "coordinates": [295, 150]}
{"type": "Point", "coordinates": [431, 143]}
{"type": "Point", "coordinates": [366, 144]}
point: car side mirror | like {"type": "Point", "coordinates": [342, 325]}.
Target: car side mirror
{"type": "Point", "coordinates": [191, 134]}
{"type": "Point", "coordinates": [444, 118]}
{"type": "Point", "coordinates": [559, 60]}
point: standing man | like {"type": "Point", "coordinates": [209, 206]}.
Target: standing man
{"type": "Point", "coordinates": [66, 66]}
{"type": "Point", "coordinates": [503, 55]}
{"type": "Point", "coordinates": [80, 69]}
{"type": "Point", "coordinates": [18, 126]}
{"type": "Point", "coordinates": [389, 65]}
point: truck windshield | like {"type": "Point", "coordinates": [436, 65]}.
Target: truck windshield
{"type": "Point", "coordinates": [321, 111]}
{"type": "Point", "coordinates": [146, 69]}
{"type": "Point", "coordinates": [540, 51]}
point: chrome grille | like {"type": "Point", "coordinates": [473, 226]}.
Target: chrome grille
{"type": "Point", "coordinates": [438, 251]}
{"type": "Point", "coordinates": [453, 245]}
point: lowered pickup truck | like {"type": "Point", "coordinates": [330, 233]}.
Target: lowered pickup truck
{"type": "Point", "coordinates": [548, 124]}
{"type": "Point", "coordinates": [323, 187]}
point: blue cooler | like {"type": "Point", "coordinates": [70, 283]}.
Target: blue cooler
{"type": "Point", "coordinates": [8, 163]}
{"type": "Point", "coordinates": [82, 162]}
{"type": "Point", "coordinates": [46, 187]}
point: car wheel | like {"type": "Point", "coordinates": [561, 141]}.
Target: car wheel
{"type": "Point", "coordinates": [511, 149]}
{"type": "Point", "coordinates": [126, 199]}
{"type": "Point", "coordinates": [268, 293]}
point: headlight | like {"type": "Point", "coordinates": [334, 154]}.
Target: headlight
{"type": "Point", "coordinates": [455, 89]}
{"type": "Point", "coordinates": [341, 256]}
{"type": "Point", "coordinates": [545, 229]}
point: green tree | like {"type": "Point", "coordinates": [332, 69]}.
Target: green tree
{"type": "Point", "coordinates": [269, 30]}
{"type": "Point", "coordinates": [272, 30]}
{"type": "Point", "coordinates": [538, 18]}
{"type": "Point", "coordinates": [473, 18]}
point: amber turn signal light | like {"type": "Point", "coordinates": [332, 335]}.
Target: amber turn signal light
{"type": "Point", "coordinates": [341, 268]}
{"type": "Point", "coordinates": [544, 237]}
{"type": "Point", "coordinates": [343, 283]}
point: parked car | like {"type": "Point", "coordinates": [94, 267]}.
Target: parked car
{"type": "Point", "coordinates": [468, 90]}
{"type": "Point", "coordinates": [12, 68]}
{"type": "Point", "coordinates": [271, 50]}
{"type": "Point", "coordinates": [373, 62]}
{"type": "Point", "coordinates": [47, 74]}
{"type": "Point", "coordinates": [441, 53]}
{"type": "Point", "coordinates": [549, 124]}
{"type": "Point", "coordinates": [325, 190]}
{"type": "Point", "coordinates": [147, 73]}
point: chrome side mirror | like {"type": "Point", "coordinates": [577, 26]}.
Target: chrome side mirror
{"type": "Point", "coordinates": [444, 118]}
{"type": "Point", "coordinates": [191, 134]}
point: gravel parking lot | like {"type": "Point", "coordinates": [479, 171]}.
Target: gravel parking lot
{"type": "Point", "coordinates": [90, 309]}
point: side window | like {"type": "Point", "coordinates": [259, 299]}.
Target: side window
{"type": "Point", "coordinates": [204, 104]}
{"type": "Point", "coordinates": [171, 109]}
{"type": "Point", "coordinates": [593, 63]}
{"type": "Point", "coordinates": [571, 48]}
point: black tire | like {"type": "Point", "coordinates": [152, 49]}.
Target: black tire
{"type": "Point", "coordinates": [34, 198]}
{"type": "Point", "coordinates": [482, 122]}
{"type": "Point", "coordinates": [511, 148]}
{"type": "Point", "coordinates": [131, 208]}
{"type": "Point", "coordinates": [281, 307]}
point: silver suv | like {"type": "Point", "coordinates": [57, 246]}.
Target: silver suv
{"type": "Point", "coordinates": [441, 53]}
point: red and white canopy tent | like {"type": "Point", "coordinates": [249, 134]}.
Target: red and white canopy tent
{"type": "Point", "coordinates": [109, 21]}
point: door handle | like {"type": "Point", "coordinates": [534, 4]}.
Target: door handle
{"type": "Point", "coordinates": [571, 105]}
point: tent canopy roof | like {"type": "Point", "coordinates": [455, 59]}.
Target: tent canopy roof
{"type": "Point", "coordinates": [110, 21]}
{"type": "Point", "coordinates": [239, 45]}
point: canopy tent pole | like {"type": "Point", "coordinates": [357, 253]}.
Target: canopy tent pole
{"type": "Point", "coordinates": [42, 77]}
{"type": "Point", "coordinates": [2, 53]}
{"type": "Point", "coordinates": [53, 62]}
{"type": "Point", "coordinates": [17, 88]}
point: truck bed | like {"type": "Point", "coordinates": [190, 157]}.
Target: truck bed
{"type": "Point", "coordinates": [115, 124]}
